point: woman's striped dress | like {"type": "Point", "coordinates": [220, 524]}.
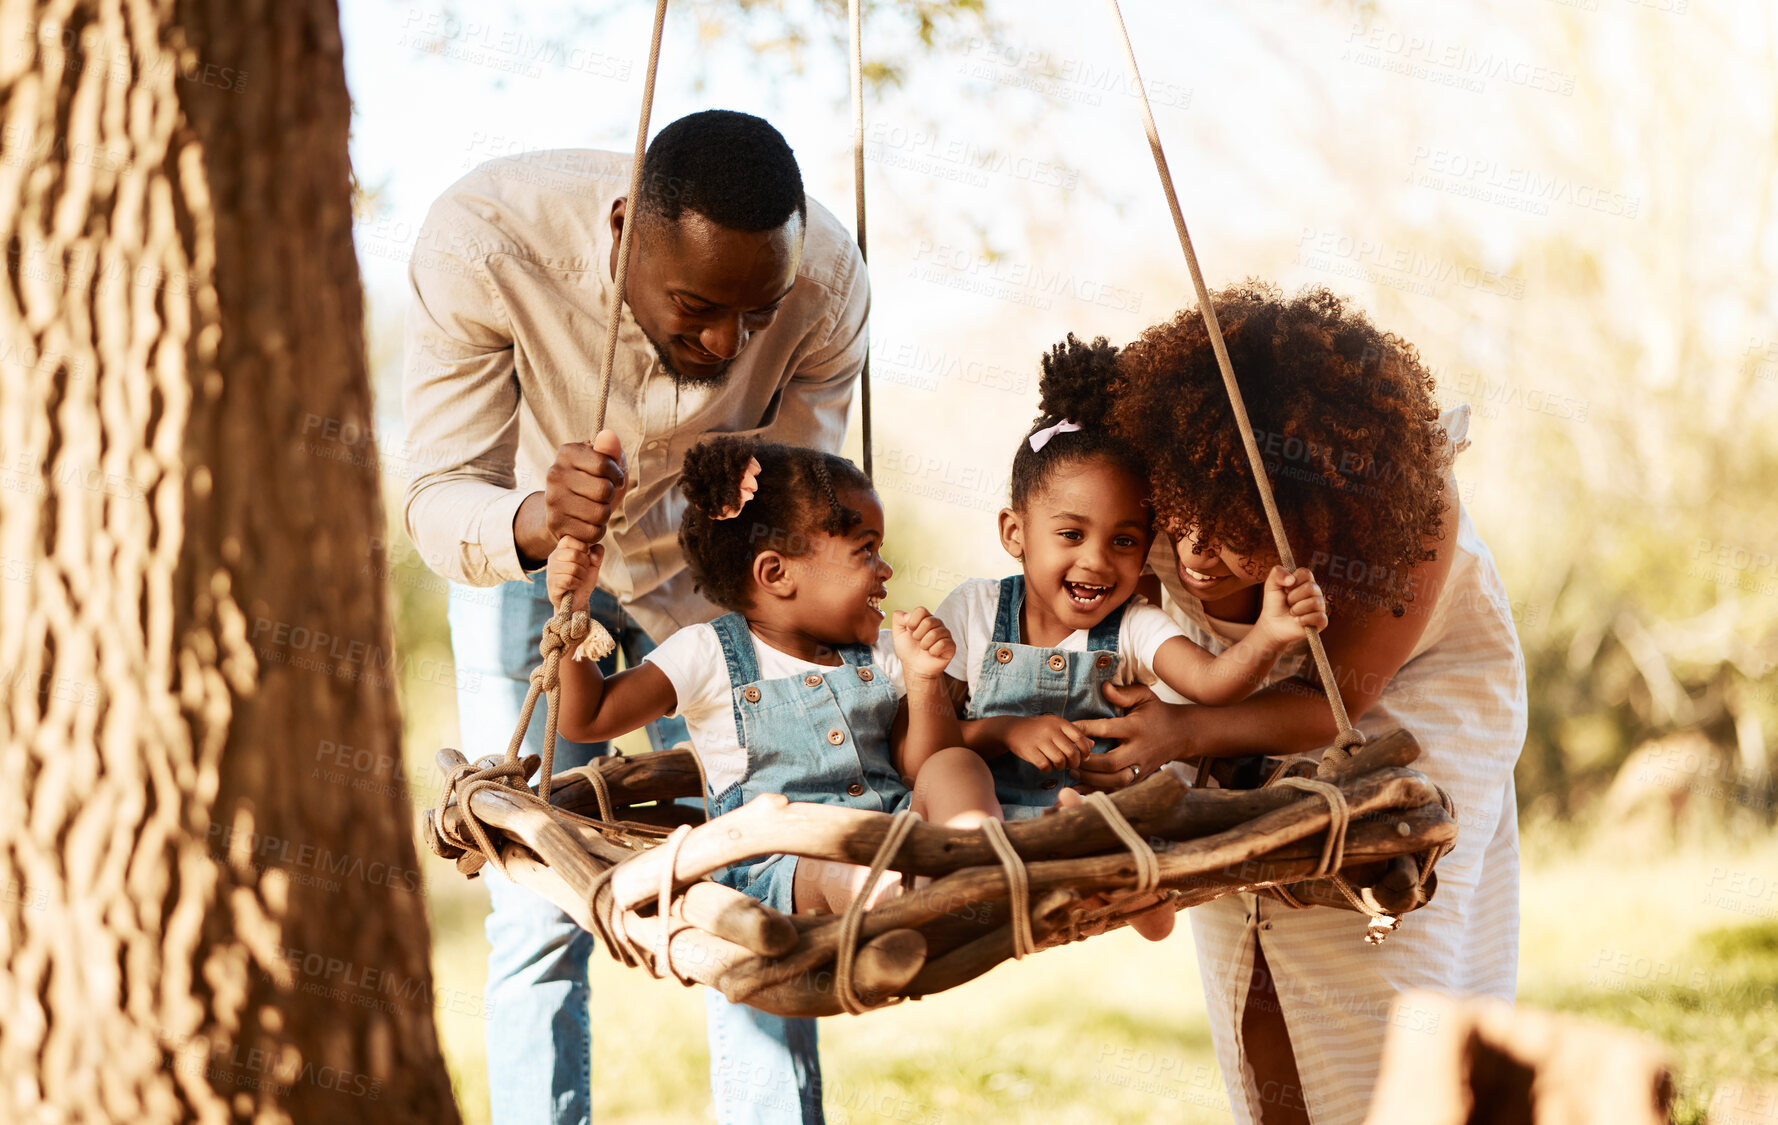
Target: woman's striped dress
{"type": "Point", "coordinates": [1462, 695]}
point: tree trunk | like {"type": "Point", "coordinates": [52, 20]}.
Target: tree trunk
{"type": "Point", "coordinates": [211, 904]}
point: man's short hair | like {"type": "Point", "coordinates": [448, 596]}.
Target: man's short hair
{"type": "Point", "coordinates": [732, 168]}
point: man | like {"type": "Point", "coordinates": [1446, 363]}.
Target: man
{"type": "Point", "coordinates": [745, 310]}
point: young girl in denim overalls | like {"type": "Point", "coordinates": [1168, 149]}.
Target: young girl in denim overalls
{"type": "Point", "coordinates": [797, 689]}
{"type": "Point", "coordinates": [1034, 650]}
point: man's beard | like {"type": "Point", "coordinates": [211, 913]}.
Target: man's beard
{"type": "Point", "coordinates": [680, 378]}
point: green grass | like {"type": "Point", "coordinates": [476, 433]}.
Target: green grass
{"type": "Point", "coordinates": [1683, 948]}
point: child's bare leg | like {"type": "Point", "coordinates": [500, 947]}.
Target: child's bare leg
{"type": "Point", "coordinates": [955, 789]}
{"type": "Point", "coordinates": [824, 886]}
{"type": "Point", "coordinates": [1152, 924]}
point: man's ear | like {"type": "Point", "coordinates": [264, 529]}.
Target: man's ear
{"type": "Point", "coordinates": [1012, 533]}
{"type": "Point", "coordinates": [619, 210]}
{"type": "Point", "coordinates": [772, 577]}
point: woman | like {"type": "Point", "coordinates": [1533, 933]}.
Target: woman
{"type": "Point", "coordinates": [1421, 637]}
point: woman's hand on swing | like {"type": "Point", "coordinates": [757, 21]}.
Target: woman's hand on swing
{"type": "Point", "coordinates": [1149, 735]}
{"type": "Point", "coordinates": [573, 567]}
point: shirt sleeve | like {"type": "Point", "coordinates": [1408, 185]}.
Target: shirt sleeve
{"type": "Point", "coordinates": [692, 661]}
{"type": "Point", "coordinates": [460, 396]}
{"type": "Point", "coordinates": [883, 653]}
{"type": "Point", "coordinates": [1146, 628]}
{"type": "Point", "coordinates": [817, 397]}
{"type": "Point", "coordinates": [959, 611]}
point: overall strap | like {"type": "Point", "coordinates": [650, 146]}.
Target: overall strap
{"type": "Point", "coordinates": [1103, 637]}
{"type": "Point", "coordinates": [1006, 617]}
{"type": "Point", "coordinates": [742, 660]}
{"type": "Point", "coordinates": [855, 655]}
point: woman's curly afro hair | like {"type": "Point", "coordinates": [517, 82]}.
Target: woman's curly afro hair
{"type": "Point", "coordinates": [1076, 386]}
{"type": "Point", "coordinates": [1345, 419]}
{"type": "Point", "coordinates": [798, 496]}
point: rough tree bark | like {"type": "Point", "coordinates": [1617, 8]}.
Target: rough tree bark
{"type": "Point", "coordinates": [209, 910]}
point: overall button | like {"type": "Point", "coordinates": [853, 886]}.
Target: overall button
{"type": "Point", "coordinates": [751, 695]}
{"type": "Point", "coordinates": [1049, 783]}
{"type": "Point", "coordinates": [1058, 661]}
{"type": "Point", "coordinates": [866, 675]}
{"type": "Point", "coordinates": [1003, 655]}
{"type": "Point", "coordinates": [812, 680]}
{"type": "Point", "coordinates": [836, 736]}
{"type": "Point", "coordinates": [1104, 660]}
{"type": "Point", "coordinates": [856, 789]}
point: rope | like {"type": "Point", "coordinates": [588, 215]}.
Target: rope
{"type": "Point", "coordinates": [856, 18]}
{"type": "Point", "coordinates": [601, 793]}
{"type": "Point", "coordinates": [1339, 816]}
{"type": "Point", "coordinates": [852, 922]}
{"type": "Point", "coordinates": [599, 643]}
{"type": "Point", "coordinates": [463, 782]}
{"type": "Point", "coordinates": [1018, 885]}
{"type": "Point", "coordinates": [665, 903]}
{"type": "Point", "coordinates": [1348, 736]}
{"type": "Point", "coordinates": [1148, 865]}
{"type": "Point", "coordinates": [1333, 857]}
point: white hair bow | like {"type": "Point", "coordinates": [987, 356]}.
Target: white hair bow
{"type": "Point", "coordinates": [1042, 437]}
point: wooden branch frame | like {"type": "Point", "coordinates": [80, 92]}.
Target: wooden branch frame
{"type": "Point", "coordinates": [609, 876]}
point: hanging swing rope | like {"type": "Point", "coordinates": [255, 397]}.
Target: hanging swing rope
{"type": "Point", "coordinates": [857, 23]}
{"type": "Point", "coordinates": [599, 643]}
{"type": "Point", "coordinates": [1348, 736]}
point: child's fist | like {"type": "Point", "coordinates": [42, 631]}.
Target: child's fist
{"type": "Point", "coordinates": [1048, 742]}
{"type": "Point", "coordinates": [573, 567]}
{"type": "Point", "coordinates": [922, 643]}
{"type": "Point", "coordinates": [1293, 603]}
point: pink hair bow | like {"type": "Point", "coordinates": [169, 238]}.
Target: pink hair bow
{"type": "Point", "coordinates": [749, 486]}
{"type": "Point", "coordinates": [1042, 437]}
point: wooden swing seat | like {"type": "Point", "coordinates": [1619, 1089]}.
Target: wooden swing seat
{"type": "Point", "coordinates": [596, 851]}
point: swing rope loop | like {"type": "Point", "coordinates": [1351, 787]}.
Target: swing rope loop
{"type": "Point", "coordinates": [1348, 737]}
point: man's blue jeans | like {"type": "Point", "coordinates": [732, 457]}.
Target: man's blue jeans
{"type": "Point", "coordinates": [763, 1069]}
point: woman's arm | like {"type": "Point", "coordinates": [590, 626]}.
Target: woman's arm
{"type": "Point", "coordinates": [1289, 717]}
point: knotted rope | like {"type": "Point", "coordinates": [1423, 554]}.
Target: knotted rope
{"type": "Point", "coordinates": [1018, 886]}
{"type": "Point", "coordinates": [559, 632]}
{"type": "Point", "coordinates": [1348, 736]}
{"type": "Point", "coordinates": [1148, 865]}
{"type": "Point", "coordinates": [1333, 857]}
{"type": "Point", "coordinates": [852, 922]}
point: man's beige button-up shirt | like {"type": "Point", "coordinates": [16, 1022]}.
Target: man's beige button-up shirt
{"type": "Point", "coordinates": [505, 334]}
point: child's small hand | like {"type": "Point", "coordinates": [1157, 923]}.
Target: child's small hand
{"type": "Point", "coordinates": [1293, 602]}
{"type": "Point", "coordinates": [922, 643]}
{"type": "Point", "coordinates": [1048, 742]}
{"type": "Point", "coordinates": [573, 567]}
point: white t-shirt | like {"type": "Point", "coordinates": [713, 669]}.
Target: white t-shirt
{"type": "Point", "coordinates": [970, 609]}
{"type": "Point", "coordinates": [693, 664]}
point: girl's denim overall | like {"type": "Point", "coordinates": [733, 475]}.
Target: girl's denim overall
{"type": "Point", "coordinates": [821, 735]}
{"type": "Point", "coordinates": [1019, 679]}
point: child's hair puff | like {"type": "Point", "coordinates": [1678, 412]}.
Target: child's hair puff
{"type": "Point", "coordinates": [1075, 386]}
{"type": "Point", "coordinates": [798, 496]}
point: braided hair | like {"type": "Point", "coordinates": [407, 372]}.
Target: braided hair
{"type": "Point", "coordinates": [1075, 386]}
{"type": "Point", "coordinates": [798, 496]}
